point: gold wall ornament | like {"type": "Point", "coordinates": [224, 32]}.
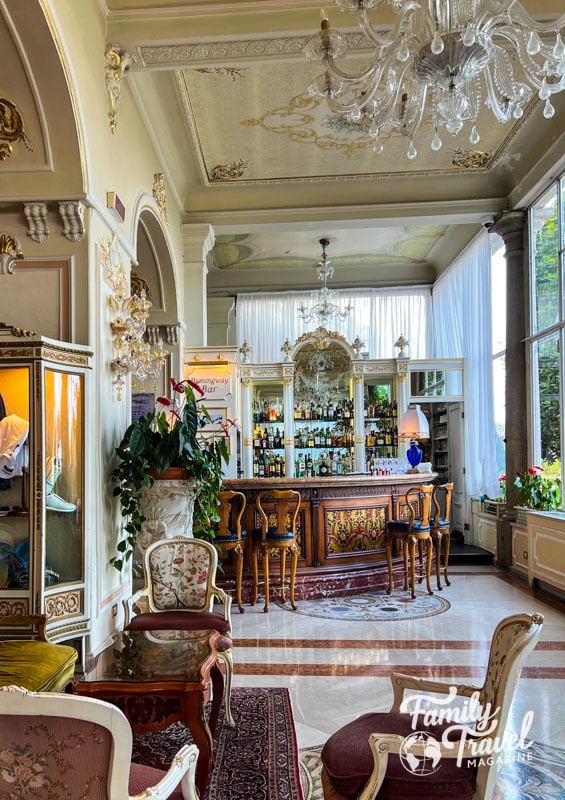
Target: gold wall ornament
{"type": "Point", "coordinates": [117, 64]}
{"type": "Point", "coordinates": [229, 172]}
{"type": "Point", "coordinates": [10, 252]}
{"type": "Point", "coordinates": [160, 195]}
{"type": "Point", "coordinates": [11, 128]}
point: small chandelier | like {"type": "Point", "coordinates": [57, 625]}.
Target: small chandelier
{"type": "Point", "coordinates": [442, 59]}
{"type": "Point", "coordinates": [132, 354]}
{"type": "Point", "coordinates": [324, 308]}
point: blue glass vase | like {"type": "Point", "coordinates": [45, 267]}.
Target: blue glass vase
{"type": "Point", "coordinates": [414, 455]}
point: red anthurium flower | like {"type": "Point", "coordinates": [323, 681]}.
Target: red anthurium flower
{"type": "Point", "coordinates": [195, 386]}
{"type": "Point", "coordinates": [502, 478]}
{"type": "Point", "coordinates": [177, 385]}
{"type": "Point", "coordinates": [164, 401]}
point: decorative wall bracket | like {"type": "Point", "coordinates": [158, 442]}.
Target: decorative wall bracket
{"type": "Point", "coordinates": [117, 64]}
{"type": "Point", "coordinates": [72, 215]}
{"type": "Point", "coordinates": [10, 252]}
{"type": "Point", "coordinates": [11, 128]}
{"type": "Point", "coordinates": [38, 225]}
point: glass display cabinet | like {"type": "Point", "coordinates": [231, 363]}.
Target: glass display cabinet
{"type": "Point", "coordinates": [42, 483]}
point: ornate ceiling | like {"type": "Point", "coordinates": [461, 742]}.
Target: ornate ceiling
{"type": "Point", "coordinates": [223, 84]}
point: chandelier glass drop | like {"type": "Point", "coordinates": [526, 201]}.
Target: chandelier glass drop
{"type": "Point", "coordinates": [441, 59]}
{"type": "Point", "coordinates": [325, 309]}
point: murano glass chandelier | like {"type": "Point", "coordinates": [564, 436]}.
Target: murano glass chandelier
{"type": "Point", "coordinates": [441, 60]}
{"type": "Point", "coordinates": [325, 309]}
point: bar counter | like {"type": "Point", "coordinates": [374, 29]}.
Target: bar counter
{"type": "Point", "coordinates": [341, 524]}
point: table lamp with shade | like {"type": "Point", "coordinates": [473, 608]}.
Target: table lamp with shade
{"type": "Point", "coordinates": [413, 425]}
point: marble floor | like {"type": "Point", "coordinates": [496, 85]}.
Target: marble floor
{"type": "Point", "coordinates": [336, 669]}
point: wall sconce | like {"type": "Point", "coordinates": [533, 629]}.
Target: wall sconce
{"type": "Point", "coordinates": [128, 323]}
{"type": "Point", "coordinates": [413, 425]}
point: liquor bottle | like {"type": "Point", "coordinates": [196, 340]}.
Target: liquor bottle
{"type": "Point", "coordinates": [261, 461]}
{"type": "Point", "coordinates": [323, 469]}
{"type": "Point", "coordinates": [255, 465]}
{"type": "Point", "coordinates": [309, 466]}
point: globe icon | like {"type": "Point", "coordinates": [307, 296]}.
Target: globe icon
{"type": "Point", "coordinates": [418, 764]}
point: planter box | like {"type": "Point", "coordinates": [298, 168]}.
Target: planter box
{"type": "Point", "coordinates": [494, 508]}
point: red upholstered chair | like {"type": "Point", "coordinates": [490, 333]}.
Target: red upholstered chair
{"type": "Point", "coordinates": [441, 528]}
{"type": "Point", "coordinates": [231, 536]}
{"type": "Point", "coordinates": [179, 593]}
{"type": "Point", "coordinates": [413, 533]}
{"type": "Point", "coordinates": [61, 745]}
{"type": "Point", "coordinates": [378, 755]}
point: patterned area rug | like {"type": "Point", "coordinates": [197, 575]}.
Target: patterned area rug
{"type": "Point", "coordinates": [541, 777]}
{"type": "Point", "coordinates": [255, 760]}
{"type": "Point", "coordinates": [373, 606]}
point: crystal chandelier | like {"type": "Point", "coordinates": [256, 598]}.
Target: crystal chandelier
{"type": "Point", "coordinates": [132, 354]}
{"type": "Point", "coordinates": [324, 308]}
{"type": "Point", "coordinates": [442, 60]}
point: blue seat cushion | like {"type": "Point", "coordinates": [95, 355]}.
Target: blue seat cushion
{"type": "Point", "coordinates": [348, 762]}
{"type": "Point", "coordinates": [401, 526]}
{"type": "Point", "coordinates": [231, 537]}
{"type": "Point", "coordinates": [272, 535]}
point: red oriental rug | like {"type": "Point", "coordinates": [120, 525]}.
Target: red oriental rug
{"type": "Point", "coordinates": [255, 760]}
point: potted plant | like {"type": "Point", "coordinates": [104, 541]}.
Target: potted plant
{"type": "Point", "coordinates": [536, 491]}
{"type": "Point", "coordinates": [170, 443]}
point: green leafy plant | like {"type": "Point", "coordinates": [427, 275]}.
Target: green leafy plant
{"type": "Point", "coordinates": [537, 491]}
{"type": "Point", "coordinates": [170, 436]}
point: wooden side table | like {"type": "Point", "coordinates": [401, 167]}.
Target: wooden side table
{"type": "Point", "coordinates": [160, 677]}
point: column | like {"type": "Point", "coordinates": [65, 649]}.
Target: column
{"type": "Point", "coordinates": [288, 405]}
{"type": "Point", "coordinates": [247, 426]}
{"type": "Point", "coordinates": [359, 422]}
{"type": "Point", "coordinates": [198, 241]}
{"type": "Point", "coordinates": [511, 226]}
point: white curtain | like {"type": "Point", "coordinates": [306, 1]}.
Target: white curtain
{"type": "Point", "coordinates": [461, 323]}
{"type": "Point", "coordinates": [378, 317]}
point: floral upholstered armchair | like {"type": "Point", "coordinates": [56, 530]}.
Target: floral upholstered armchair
{"type": "Point", "coordinates": [179, 594]}
{"type": "Point", "coordinates": [59, 745]}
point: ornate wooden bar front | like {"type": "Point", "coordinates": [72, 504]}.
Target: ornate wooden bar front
{"type": "Point", "coordinates": [340, 530]}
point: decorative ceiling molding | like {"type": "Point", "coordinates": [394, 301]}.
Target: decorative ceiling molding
{"type": "Point", "coordinates": [11, 128]}
{"type": "Point", "coordinates": [174, 55]}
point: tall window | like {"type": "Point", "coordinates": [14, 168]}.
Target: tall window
{"type": "Point", "coordinates": [546, 344]}
{"type": "Point", "coordinates": [498, 306]}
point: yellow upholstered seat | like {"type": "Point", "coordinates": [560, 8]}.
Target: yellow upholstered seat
{"type": "Point", "coordinates": [38, 666]}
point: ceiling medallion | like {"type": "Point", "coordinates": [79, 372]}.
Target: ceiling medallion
{"type": "Point", "coordinates": [325, 308]}
{"type": "Point", "coordinates": [442, 60]}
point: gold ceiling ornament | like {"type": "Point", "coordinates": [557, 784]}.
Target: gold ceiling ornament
{"type": "Point", "coordinates": [297, 121]}
{"type": "Point", "coordinates": [441, 60]}
{"type": "Point", "coordinates": [229, 172]}
{"type": "Point", "coordinates": [10, 252]}
{"type": "Point", "coordinates": [231, 72]}
{"type": "Point", "coordinates": [117, 64]}
{"type": "Point", "coordinates": [11, 128]}
{"type": "Point", "coordinates": [470, 159]}
{"type": "Point", "coordinates": [139, 285]}
{"type": "Point", "coordinates": [160, 195]}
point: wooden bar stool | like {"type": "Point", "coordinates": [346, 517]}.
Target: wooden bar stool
{"type": "Point", "coordinates": [278, 514]}
{"type": "Point", "coordinates": [441, 528]}
{"type": "Point", "coordinates": [416, 531]}
{"type": "Point", "coordinates": [230, 536]}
